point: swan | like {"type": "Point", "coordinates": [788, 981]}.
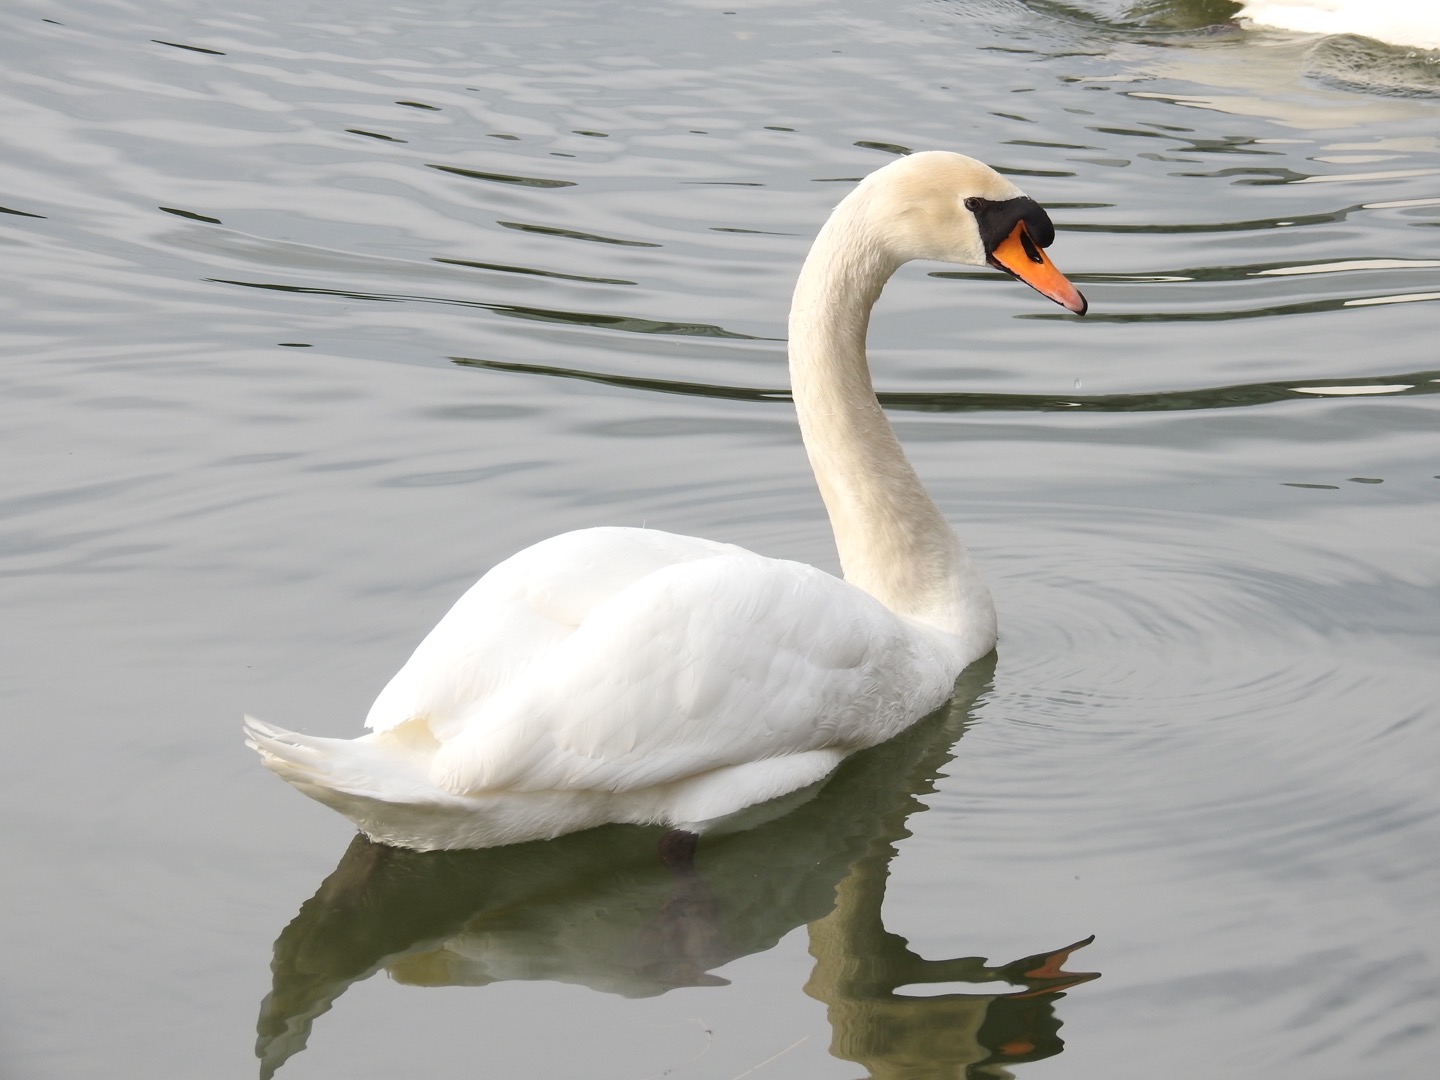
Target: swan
{"type": "Point", "coordinates": [629, 675]}
{"type": "Point", "coordinates": [1412, 23]}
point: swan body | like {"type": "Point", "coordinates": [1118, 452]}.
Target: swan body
{"type": "Point", "coordinates": [629, 675]}
{"type": "Point", "coordinates": [1411, 23]}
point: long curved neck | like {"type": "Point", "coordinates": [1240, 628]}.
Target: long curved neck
{"type": "Point", "coordinates": [892, 539]}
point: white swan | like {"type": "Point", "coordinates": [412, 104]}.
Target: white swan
{"type": "Point", "coordinates": [1412, 23]}
{"type": "Point", "coordinates": [628, 675]}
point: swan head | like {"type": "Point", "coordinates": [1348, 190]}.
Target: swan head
{"type": "Point", "coordinates": [951, 208]}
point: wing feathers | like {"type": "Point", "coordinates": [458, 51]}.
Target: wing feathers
{"type": "Point", "coordinates": [694, 667]}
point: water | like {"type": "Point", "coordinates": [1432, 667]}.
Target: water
{"type": "Point", "coordinates": [314, 313]}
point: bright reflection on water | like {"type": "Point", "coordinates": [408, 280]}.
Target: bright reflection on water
{"type": "Point", "coordinates": [314, 312]}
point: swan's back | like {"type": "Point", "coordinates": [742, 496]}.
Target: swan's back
{"type": "Point", "coordinates": [507, 623]}
{"type": "Point", "coordinates": [673, 657]}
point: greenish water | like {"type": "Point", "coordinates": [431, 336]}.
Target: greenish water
{"type": "Point", "coordinates": [313, 313]}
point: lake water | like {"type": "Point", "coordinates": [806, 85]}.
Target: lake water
{"type": "Point", "coordinates": [313, 312]}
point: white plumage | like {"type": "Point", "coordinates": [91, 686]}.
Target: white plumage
{"type": "Point", "coordinates": [1411, 23]}
{"type": "Point", "coordinates": [617, 674]}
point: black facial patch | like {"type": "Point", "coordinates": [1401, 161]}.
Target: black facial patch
{"type": "Point", "coordinates": [997, 220]}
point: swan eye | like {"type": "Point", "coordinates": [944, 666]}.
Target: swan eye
{"type": "Point", "coordinates": [975, 204]}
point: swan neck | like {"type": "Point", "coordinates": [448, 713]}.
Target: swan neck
{"type": "Point", "coordinates": [892, 540]}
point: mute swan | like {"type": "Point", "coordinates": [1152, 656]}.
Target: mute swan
{"type": "Point", "coordinates": [629, 675]}
{"type": "Point", "coordinates": [1412, 23]}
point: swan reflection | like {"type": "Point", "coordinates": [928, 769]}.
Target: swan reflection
{"type": "Point", "coordinates": [599, 909]}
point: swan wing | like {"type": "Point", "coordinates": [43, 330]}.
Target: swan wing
{"type": "Point", "coordinates": [723, 659]}
{"type": "Point", "coordinates": [512, 619]}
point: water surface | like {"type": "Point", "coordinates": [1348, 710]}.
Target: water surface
{"type": "Point", "coordinates": [314, 313]}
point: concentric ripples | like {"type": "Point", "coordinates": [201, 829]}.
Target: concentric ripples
{"type": "Point", "coordinates": [1177, 687]}
{"type": "Point", "coordinates": [1175, 608]}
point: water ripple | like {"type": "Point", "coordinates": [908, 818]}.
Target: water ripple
{"type": "Point", "coordinates": [1200, 398]}
{"type": "Point", "coordinates": [538, 257]}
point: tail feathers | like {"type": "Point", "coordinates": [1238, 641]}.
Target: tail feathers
{"type": "Point", "coordinates": [294, 756]}
{"type": "Point", "coordinates": [363, 767]}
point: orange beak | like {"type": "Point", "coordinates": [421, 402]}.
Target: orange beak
{"type": "Point", "coordinates": [1020, 256]}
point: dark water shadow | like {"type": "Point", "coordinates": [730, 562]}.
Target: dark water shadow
{"type": "Point", "coordinates": [1200, 398]}
{"type": "Point", "coordinates": [1191, 399]}
{"type": "Point", "coordinates": [631, 324]}
{"type": "Point", "coordinates": [599, 909]}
